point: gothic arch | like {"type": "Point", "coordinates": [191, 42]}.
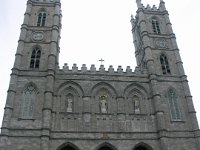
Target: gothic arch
{"type": "Point", "coordinates": [164, 62]}
{"type": "Point", "coordinates": [36, 46]}
{"type": "Point", "coordinates": [135, 87]}
{"type": "Point", "coordinates": [135, 96]}
{"type": "Point", "coordinates": [104, 98]}
{"type": "Point", "coordinates": [70, 85]}
{"type": "Point", "coordinates": [106, 145]}
{"type": "Point", "coordinates": [142, 146]}
{"type": "Point", "coordinates": [103, 85]}
{"type": "Point", "coordinates": [156, 18]}
{"type": "Point", "coordinates": [35, 57]}
{"type": "Point", "coordinates": [67, 145]}
{"type": "Point", "coordinates": [174, 105]}
{"type": "Point", "coordinates": [155, 25]}
{"type": "Point", "coordinates": [41, 17]}
{"type": "Point", "coordinates": [42, 10]}
{"type": "Point", "coordinates": [69, 97]}
{"type": "Point", "coordinates": [30, 84]}
{"type": "Point", "coordinates": [29, 96]}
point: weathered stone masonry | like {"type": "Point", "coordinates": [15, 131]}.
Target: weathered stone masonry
{"type": "Point", "coordinates": [52, 108]}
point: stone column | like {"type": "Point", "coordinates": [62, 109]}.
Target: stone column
{"type": "Point", "coordinates": [50, 79]}
{"type": "Point", "coordinates": [8, 110]}
{"type": "Point", "coordinates": [159, 114]}
{"type": "Point", "coordinates": [192, 112]}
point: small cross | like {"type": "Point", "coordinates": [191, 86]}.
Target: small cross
{"type": "Point", "coordinates": [101, 60]}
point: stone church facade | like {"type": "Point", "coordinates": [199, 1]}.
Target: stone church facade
{"type": "Point", "coordinates": [49, 108]}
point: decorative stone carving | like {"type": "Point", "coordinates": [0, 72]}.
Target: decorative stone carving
{"type": "Point", "coordinates": [161, 43]}
{"type": "Point", "coordinates": [37, 36]}
{"type": "Point", "coordinates": [69, 103]}
{"type": "Point", "coordinates": [136, 101]}
{"type": "Point", "coordinates": [103, 103]}
{"type": "Point", "coordinates": [29, 96]}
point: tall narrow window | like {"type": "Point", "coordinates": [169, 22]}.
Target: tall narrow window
{"type": "Point", "coordinates": [164, 64]}
{"type": "Point", "coordinates": [29, 96]}
{"type": "Point", "coordinates": [41, 19]}
{"type": "Point", "coordinates": [35, 58]}
{"type": "Point", "coordinates": [173, 104]}
{"type": "Point", "coordinates": [156, 26]}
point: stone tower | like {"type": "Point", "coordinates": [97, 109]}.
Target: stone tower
{"type": "Point", "coordinates": [49, 108]}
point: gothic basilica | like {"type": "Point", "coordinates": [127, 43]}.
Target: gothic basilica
{"type": "Point", "coordinates": [49, 108]}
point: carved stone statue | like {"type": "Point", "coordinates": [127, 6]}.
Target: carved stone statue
{"type": "Point", "coordinates": [69, 104]}
{"type": "Point", "coordinates": [136, 104]}
{"type": "Point", "coordinates": [103, 104]}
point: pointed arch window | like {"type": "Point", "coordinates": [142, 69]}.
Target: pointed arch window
{"type": "Point", "coordinates": [173, 104]}
{"type": "Point", "coordinates": [35, 58]}
{"type": "Point", "coordinates": [155, 26]}
{"type": "Point", "coordinates": [41, 20]}
{"type": "Point", "coordinates": [164, 64]}
{"type": "Point", "coordinates": [29, 96]}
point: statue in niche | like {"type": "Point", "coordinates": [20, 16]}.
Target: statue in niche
{"type": "Point", "coordinates": [136, 102]}
{"type": "Point", "coordinates": [69, 104]}
{"type": "Point", "coordinates": [103, 104]}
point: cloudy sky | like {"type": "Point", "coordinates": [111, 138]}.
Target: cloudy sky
{"type": "Point", "coordinates": [94, 29]}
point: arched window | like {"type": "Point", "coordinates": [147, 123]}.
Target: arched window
{"type": "Point", "coordinates": [68, 146]}
{"type": "Point", "coordinates": [155, 26]}
{"type": "Point", "coordinates": [29, 96]}
{"type": "Point", "coordinates": [164, 64]}
{"type": "Point", "coordinates": [106, 146]}
{"type": "Point", "coordinates": [173, 104]}
{"type": "Point", "coordinates": [41, 19]}
{"type": "Point", "coordinates": [35, 58]}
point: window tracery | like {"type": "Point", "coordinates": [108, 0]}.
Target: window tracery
{"type": "Point", "coordinates": [35, 58]}
{"type": "Point", "coordinates": [173, 104]}
{"type": "Point", "coordinates": [29, 96]}
{"type": "Point", "coordinates": [164, 64]}
{"type": "Point", "coordinates": [155, 26]}
{"type": "Point", "coordinates": [41, 20]}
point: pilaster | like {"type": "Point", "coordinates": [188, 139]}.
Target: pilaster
{"type": "Point", "coordinates": [51, 67]}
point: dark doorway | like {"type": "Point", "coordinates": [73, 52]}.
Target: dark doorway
{"type": "Point", "coordinates": [68, 148]}
{"type": "Point", "coordinates": [140, 148]}
{"type": "Point", "coordinates": [105, 148]}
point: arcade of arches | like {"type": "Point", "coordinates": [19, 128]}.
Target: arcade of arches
{"type": "Point", "coordinates": [104, 148]}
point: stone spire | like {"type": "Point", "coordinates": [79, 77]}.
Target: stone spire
{"type": "Point", "coordinates": [162, 5]}
{"type": "Point", "coordinates": [139, 3]}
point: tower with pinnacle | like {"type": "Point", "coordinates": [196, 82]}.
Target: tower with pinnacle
{"type": "Point", "coordinates": [49, 108]}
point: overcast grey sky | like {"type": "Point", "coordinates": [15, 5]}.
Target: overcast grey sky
{"type": "Point", "coordinates": [94, 29]}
